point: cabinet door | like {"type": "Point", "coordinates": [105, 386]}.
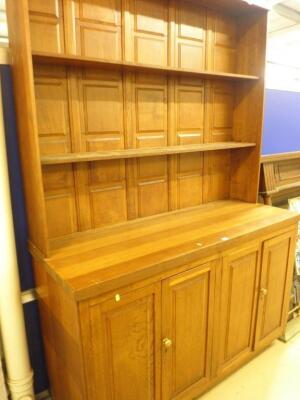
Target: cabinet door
{"type": "Point", "coordinates": [275, 287]}
{"type": "Point", "coordinates": [237, 307]}
{"type": "Point", "coordinates": [188, 302]}
{"type": "Point", "coordinates": [121, 344]}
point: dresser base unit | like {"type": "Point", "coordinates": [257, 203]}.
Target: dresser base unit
{"type": "Point", "coordinates": [171, 304]}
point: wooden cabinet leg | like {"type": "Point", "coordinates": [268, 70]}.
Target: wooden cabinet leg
{"type": "Point", "coordinates": [267, 199]}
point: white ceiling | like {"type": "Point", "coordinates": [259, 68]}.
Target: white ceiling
{"type": "Point", "coordinates": [284, 33]}
{"type": "Point", "coordinates": [3, 26]}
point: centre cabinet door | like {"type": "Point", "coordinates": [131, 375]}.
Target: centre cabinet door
{"type": "Point", "coordinates": [121, 345]}
{"type": "Point", "coordinates": [237, 307]}
{"type": "Point", "coordinates": [187, 326]}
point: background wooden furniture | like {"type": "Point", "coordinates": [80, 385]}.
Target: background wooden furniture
{"type": "Point", "coordinates": [280, 177]}
{"type": "Point", "coordinates": [140, 130]}
{"type": "Point", "coordinates": [279, 182]}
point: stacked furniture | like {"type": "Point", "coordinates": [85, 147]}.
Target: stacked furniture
{"type": "Point", "coordinates": [280, 177]}
{"type": "Point", "coordinates": [140, 128]}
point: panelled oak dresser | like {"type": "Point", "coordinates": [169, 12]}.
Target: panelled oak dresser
{"type": "Point", "coordinates": [139, 125]}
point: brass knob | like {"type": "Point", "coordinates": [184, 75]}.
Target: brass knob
{"type": "Point", "coordinates": [167, 343]}
{"type": "Point", "coordinates": [263, 292]}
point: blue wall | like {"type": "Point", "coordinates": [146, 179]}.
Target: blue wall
{"type": "Point", "coordinates": [20, 225]}
{"type": "Point", "coordinates": [281, 122]}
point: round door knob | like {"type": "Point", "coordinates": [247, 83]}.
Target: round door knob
{"type": "Point", "coordinates": [263, 292]}
{"type": "Point", "coordinates": [167, 343]}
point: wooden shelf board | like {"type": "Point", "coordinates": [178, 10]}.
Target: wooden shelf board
{"type": "Point", "coordinates": [48, 58]}
{"type": "Point", "coordinates": [141, 152]}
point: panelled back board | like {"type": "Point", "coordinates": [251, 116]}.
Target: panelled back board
{"type": "Point", "coordinates": [111, 76]}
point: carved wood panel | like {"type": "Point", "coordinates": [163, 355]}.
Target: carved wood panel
{"type": "Point", "coordinates": [172, 33]}
{"type": "Point", "coordinates": [221, 101]}
{"type": "Point", "coordinates": [149, 111]}
{"type": "Point", "coordinates": [187, 304]}
{"type": "Point", "coordinates": [216, 175]}
{"type": "Point", "coordinates": [223, 42]}
{"type": "Point", "coordinates": [47, 25]}
{"type": "Point", "coordinates": [190, 35]}
{"type": "Point", "coordinates": [147, 38]}
{"type": "Point", "coordinates": [53, 118]}
{"type": "Point", "coordinates": [276, 275]}
{"type": "Point", "coordinates": [240, 279]}
{"type": "Point", "coordinates": [60, 198]}
{"type": "Point", "coordinates": [188, 127]}
{"type": "Point", "coordinates": [52, 104]}
{"type": "Point", "coordinates": [122, 341]}
{"type": "Point", "coordinates": [83, 110]}
{"type": "Point", "coordinates": [96, 28]}
{"type": "Point", "coordinates": [101, 127]}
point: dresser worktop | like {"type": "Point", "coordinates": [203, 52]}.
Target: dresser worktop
{"type": "Point", "coordinates": [94, 263]}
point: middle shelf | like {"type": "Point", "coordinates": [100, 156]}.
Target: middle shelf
{"type": "Point", "coordinates": [140, 152]}
{"type": "Point", "coordinates": [83, 61]}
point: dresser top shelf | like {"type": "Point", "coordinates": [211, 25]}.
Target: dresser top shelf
{"type": "Point", "coordinates": [89, 264]}
{"type": "Point", "coordinates": [73, 60]}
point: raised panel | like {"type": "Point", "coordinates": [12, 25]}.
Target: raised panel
{"type": "Point", "coordinates": [61, 213]}
{"type": "Point", "coordinates": [101, 108]}
{"type": "Point", "coordinates": [287, 171]}
{"type": "Point", "coordinates": [190, 46]}
{"type": "Point", "coordinates": [187, 180]}
{"type": "Point", "coordinates": [220, 111]}
{"type": "Point", "coordinates": [149, 112]}
{"type": "Point", "coordinates": [238, 303]}
{"type": "Point", "coordinates": [186, 170]}
{"type": "Point", "coordinates": [189, 111]}
{"type": "Point", "coordinates": [122, 346]}
{"type": "Point", "coordinates": [147, 32]}
{"type": "Point", "coordinates": [98, 28]}
{"type": "Point", "coordinates": [277, 267]}
{"type": "Point", "coordinates": [150, 109]}
{"type": "Point", "coordinates": [216, 175]}
{"type": "Point", "coordinates": [107, 192]}
{"type": "Point", "coordinates": [115, 196]}
{"type": "Point", "coordinates": [99, 10]}
{"type": "Point", "coordinates": [150, 17]}
{"type": "Point", "coordinates": [188, 303]}
{"type": "Point", "coordinates": [52, 105]}
{"type": "Point", "coordinates": [46, 25]}
{"type": "Point", "coordinates": [223, 43]}
{"type": "Point", "coordinates": [150, 51]}
{"type": "Point", "coordinates": [60, 200]}
{"type": "Point", "coordinates": [152, 186]}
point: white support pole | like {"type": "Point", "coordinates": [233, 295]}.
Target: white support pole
{"type": "Point", "coordinates": [20, 375]}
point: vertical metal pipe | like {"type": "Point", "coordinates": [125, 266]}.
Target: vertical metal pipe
{"type": "Point", "coordinates": [20, 375]}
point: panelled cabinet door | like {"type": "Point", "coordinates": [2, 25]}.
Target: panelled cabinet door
{"type": "Point", "coordinates": [237, 308]}
{"type": "Point", "coordinates": [187, 309]}
{"type": "Point", "coordinates": [275, 286]}
{"type": "Point", "coordinates": [121, 342]}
